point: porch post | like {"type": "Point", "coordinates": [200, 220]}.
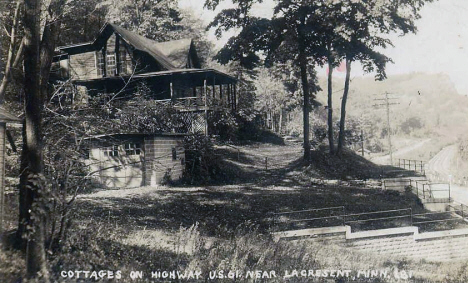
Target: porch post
{"type": "Point", "coordinates": [221, 94]}
{"type": "Point", "coordinates": [104, 61]}
{"type": "Point", "coordinates": [229, 95]}
{"type": "Point", "coordinates": [117, 54]}
{"type": "Point", "coordinates": [214, 90]}
{"type": "Point", "coordinates": [234, 101]}
{"type": "Point", "coordinates": [172, 91]}
{"type": "Point", "coordinates": [205, 92]}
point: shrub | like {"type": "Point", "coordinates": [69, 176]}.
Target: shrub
{"type": "Point", "coordinates": [202, 164]}
{"type": "Point", "coordinates": [252, 130]}
{"type": "Point", "coordinates": [223, 125]}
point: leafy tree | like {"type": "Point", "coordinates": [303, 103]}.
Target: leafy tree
{"type": "Point", "coordinates": [272, 95]}
{"type": "Point", "coordinates": [155, 19]}
{"type": "Point", "coordinates": [411, 124]}
{"type": "Point", "coordinates": [364, 25]}
{"type": "Point", "coordinates": [287, 36]}
{"type": "Point", "coordinates": [81, 21]}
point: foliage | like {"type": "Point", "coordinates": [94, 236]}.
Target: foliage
{"type": "Point", "coordinates": [81, 22]}
{"type": "Point", "coordinates": [411, 124]}
{"type": "Point", "coordinates": [276, 90]}
{"type": "Point", "coordinates": [202, 165]}
{"type": "Point", "coordinates": [325, 31]}
{"type": "Point", "coordinates": [463, 149]}
{"type": "Point", "coordinates": [223, 125]}
{"type": "Point", "coordinates": [156, 19]}
{"type": "Point", "coordinates": [245, 89]}
{"type": "Point", "coordinates": [253, 131]}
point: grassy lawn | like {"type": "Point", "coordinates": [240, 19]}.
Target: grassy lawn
{"type": "Point", "coordinates": [285, 186]}
{"type": "Point", "coordinates": [226, 225]}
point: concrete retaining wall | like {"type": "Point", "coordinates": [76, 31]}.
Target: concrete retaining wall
{"type": "Point", "coordinates": [400, 242]}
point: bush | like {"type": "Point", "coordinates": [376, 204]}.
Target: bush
{"type": "Point", "coordinates": [202, 164]}
{"type": "Point", "coordinates": [223, 125]}
{"type": "Point", "coordinates": [253, 131]}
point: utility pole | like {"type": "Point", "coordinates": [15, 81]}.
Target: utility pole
{"type": "Point", "coordinates": [362, 143]}
{"type": "Point", "coordinates": [387, 104]}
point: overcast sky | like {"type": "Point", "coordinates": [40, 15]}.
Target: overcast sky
{"type": "Point", "coordinates": [440, 46]}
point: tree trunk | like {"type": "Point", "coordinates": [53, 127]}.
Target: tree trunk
{"type": "Point", "coordinates": [19, 55]}
{"type": "Point", "coordinates": [305, 87]}
{"type": "Point", "coordinates": [343, 107]}
{"type": "Point", "coordinates": [9, 63]}
{"type": "Point", "coordinates": [330, 107]}
{"type": "Point", "coordinates": [32, 186]}
{"type": "Point", "coordinates": [49, 39]}
{"type": "Point", "coordinates": [305, 107]}
{"type": "Point", "coordinates": [280, 130]}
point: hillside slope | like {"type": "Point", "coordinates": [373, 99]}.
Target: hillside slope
{"type": "Point", "coordinates": [430, 99]}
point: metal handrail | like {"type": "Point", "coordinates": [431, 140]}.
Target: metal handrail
{"type": "Point", "coordinates": [317, 218]}
{"type": "Point", "coordinates": [407, 215]}
{"type": "Point", "coordinates": [398, 181]}
{"type": "Point", "coordinates": [434, 221]}
{"type": "Point", "coordinates": [309, 210]}
{"type": "Point", "coordinates": [434, 213]}
{"type": "Point", "coordinates": [378, 212]}
{"type": "Point", "coordinates": [380, 218]}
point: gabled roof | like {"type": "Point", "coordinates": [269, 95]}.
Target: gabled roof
{"type": "Point", "coordinates": [176, 50]}
{"type": "Point", "coordinates": [170, 55]}
{"type": "Point", "coordinates": [143, 44]}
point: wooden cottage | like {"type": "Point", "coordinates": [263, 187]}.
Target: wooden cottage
{"type": "Point", "coordinates": [134, 160]}
{"type": "Point", "coordinates": [118, 60]}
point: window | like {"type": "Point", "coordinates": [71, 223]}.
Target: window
{"type": "Point", "coordinates": [123, 62]}
{"type": "Point", "coordinates": [99, 63]}
{"type": "Point", "coordinates": [174, 154]}
{"type": "Point", "coordinates": [111, 64]}
{"type": "Point", "coordinates": [111, 150]}
{"type": "Point", "coordinates": [132, 149]}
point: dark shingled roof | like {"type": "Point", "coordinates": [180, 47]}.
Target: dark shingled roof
{"type": "Point", "coordinates": [6, 117]}
{"type": "Point", "coordinates": [143, 44]}
{"type": "Point", "coordinates": [170, 55]}
{"type": "Point", "coordinates": [176, 50]}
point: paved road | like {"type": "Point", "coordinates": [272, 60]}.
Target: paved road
{"type": "Point", "coordinates": [441, 163]}
{"type": "Point", "coordinates": [439, 169]}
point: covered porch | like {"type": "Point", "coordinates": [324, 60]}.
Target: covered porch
{"type": "Point", "coordinates": [186, 89]}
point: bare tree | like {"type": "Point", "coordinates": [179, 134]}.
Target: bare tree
{"type": "Point", "coordinates": [11, 61]}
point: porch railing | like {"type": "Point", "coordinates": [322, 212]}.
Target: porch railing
{"type": "Point", "coordinates": [187, 102]}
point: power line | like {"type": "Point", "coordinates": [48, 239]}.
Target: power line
{"type": "Point", "coordinates": [387, 105]}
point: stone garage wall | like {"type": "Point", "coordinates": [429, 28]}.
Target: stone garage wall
{"type": "Point", "coordinates": [163, 155]}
